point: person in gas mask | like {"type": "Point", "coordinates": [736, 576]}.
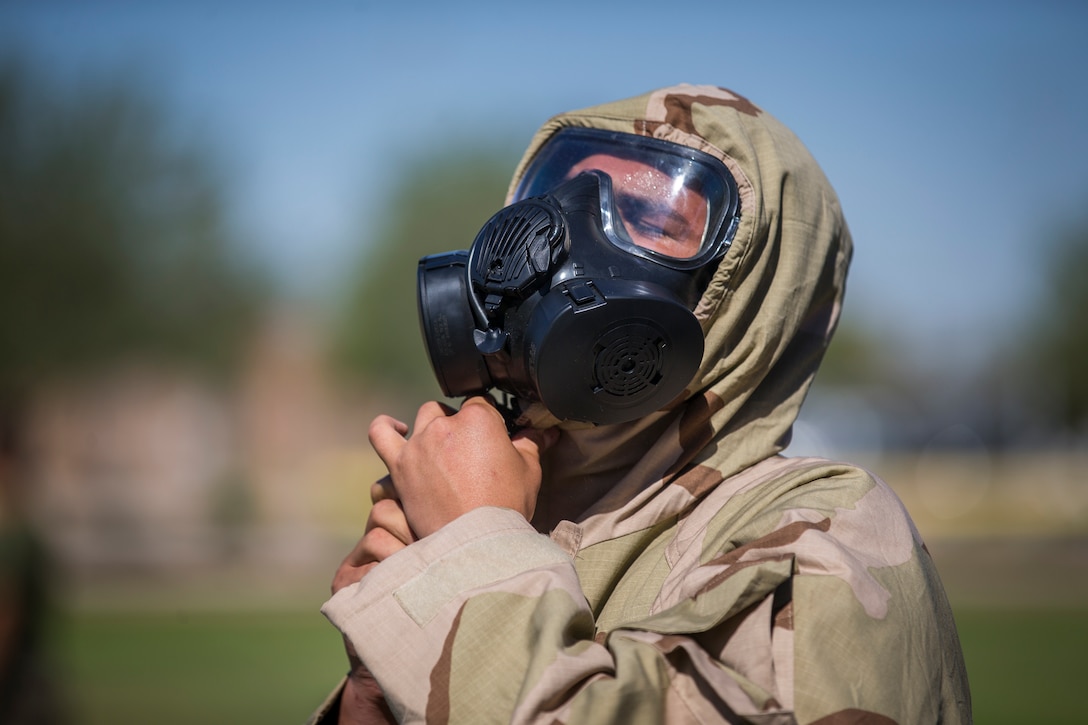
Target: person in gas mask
{"type": "Point", "coordinates": [647, 313]}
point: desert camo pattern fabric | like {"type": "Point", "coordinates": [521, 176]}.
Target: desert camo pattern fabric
{"type": "Point", "coordinates": [717, 581]}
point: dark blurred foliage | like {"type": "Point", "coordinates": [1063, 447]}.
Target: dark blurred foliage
{"type": "Point", "coordinates": [115, 248]}
{"type": "Point", "coordinates": [855, 357]}
{"type": "Point", "coordinates": [1030, 390]}
{"type": "Point", "coordinates": [1055, 352]}
{"type": "Point", "coordinates": [442, 199]}
{"type": "Point", "coordinates": [114, 237]}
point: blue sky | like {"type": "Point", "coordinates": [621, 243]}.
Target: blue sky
{"type": "Point", "coordinates": [953, 132]}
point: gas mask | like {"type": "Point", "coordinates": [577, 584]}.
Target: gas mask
{"type": "Point", "coordinates": [579, 294]}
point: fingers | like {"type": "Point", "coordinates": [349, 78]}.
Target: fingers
{"type": "Point", "coordinates": [530, 442]}
{"type": "Point", "coordinates": [400, 427]}
{"type": "Point", "coordinates": [387, 532]}
{"type": "Point", "coordinates": [364, 551]}
{"type": "Point", "coordinates": [387, 515]}
{"type": "Point", "coordinates": [387, 437]}
{"type": "Point", "coordinates": [480, 400]}
{"type": "Point", "coordinates": [437, 471]}
{"type": "Point", "coordinates": [430, 411]}
{"type": "Point", "coordinates": [381, 544]}
{"type": "Point", "coordinates": [483, 411]}
{"type": "Point", "coordinates": [383, 489]}
{"type": "Point", "coordinates": [375, 546]}
{"type": "Point", "coordinates": [348, 575]}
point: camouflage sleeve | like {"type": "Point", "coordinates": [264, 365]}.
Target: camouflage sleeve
{"type": "Point", "coordinates": [485, 622]}
{"type": "Point", "coordinates": [481, 605]}
{"type": "Point", "coordinates": [826, 615]}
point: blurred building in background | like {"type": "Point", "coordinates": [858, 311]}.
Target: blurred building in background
{"type": "Point", "coordinates": [145, 472]}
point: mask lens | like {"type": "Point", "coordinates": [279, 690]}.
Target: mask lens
{"type": "Point", "coordinates": [666, 201]}
{"type": "Point", "coordinates": [659, 212]}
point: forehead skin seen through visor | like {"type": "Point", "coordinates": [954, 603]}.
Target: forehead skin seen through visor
{"type": "Point", "coordinates": [660, 213]}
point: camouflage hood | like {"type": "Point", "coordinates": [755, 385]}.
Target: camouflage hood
{"type": "Point", "coordinates": [767, 314]}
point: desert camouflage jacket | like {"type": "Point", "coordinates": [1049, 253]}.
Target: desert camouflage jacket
{"type": "Point", "coordinates": [715, 580]}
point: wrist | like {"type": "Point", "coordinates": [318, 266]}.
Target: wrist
{"type": "Point", "coordinates": [362, 700]}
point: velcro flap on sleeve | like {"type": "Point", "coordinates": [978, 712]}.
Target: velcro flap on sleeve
{"type": "Point", "coordinates": [475, 564]}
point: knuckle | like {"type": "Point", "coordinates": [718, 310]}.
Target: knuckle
{"type": "Point", "coordinates": [375, 426]}
{"type": "Point", "coordinates": [379, 541]}
{"type": "Point", "coordinates": [384, 510]}
{"type": "Point", "coordinates": [376, 544]}
{"type": "Point", "coordinates": [340, 580]}
{"type": "Point", "coordinates": [439, 429]}
{"type": "Point", "coordinates": [431, 406]}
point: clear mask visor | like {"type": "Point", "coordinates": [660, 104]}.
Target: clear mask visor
{"type": "Point", "coordinates": [667, 202]}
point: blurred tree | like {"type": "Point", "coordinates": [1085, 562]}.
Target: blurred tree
{"type": "Point", "coordinates": [114, 244]}
{"type": "Point", "coordinates": [856, 356]}
{"type": "Point", "coordinates": [113, 237]}
{"type": "Point", "coordinates": [440, 203]}
{"type": "Point", "coordinates": [1057, 339]}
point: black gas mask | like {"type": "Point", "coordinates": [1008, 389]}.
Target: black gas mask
{"type": "Point", "coordinates": [579, 295]}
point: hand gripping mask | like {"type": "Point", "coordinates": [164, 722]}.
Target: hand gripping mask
{"type": "Point", "coordinates": [579, 295]}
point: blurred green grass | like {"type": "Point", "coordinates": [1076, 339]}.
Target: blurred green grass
{"type": "Point", "coordinates": [1025, 666]}
{"type": "Point", "coordinates": [208, 667]}
{"type": "Point", "coordinates": [275, 667]}
{"type": "Point", "coordinates": [245, 647]}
